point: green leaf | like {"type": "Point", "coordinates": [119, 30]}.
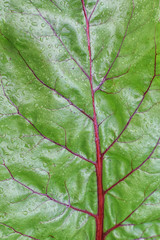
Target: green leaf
{"type": "Point", "coordinates": [79, 119]}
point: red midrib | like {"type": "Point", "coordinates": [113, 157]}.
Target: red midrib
{"type": "Point", "coordinates": [99, 158]}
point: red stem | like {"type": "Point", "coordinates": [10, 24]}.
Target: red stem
{"type": "Point", "coordinates": [99, 158]}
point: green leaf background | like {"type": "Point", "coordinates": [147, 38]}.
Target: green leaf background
{"type": "Point", "coordinates": [32, 166]}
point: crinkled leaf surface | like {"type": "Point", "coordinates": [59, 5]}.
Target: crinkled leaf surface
{"type": "Point", "coordinates": [48, 182]}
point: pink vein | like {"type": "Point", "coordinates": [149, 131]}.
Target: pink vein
{"type": "Point", "coordinates": [93, 10]}
{"type": "Point", "coordinates": [119, 224]}
{"type": "Point", "coordinates": [131, 172]}
{"type": "Point", "coordinates": [155, 63]}
{"type": "Point", "coordinates": [18, 231]}
{"type": "Point", "coordinates": [143, 238]}
{"type": "Point", "coordinates": [99, 169]}
{"type": "Point", "coordinates": [120, 75]}
{"type": "Point", "coordinates": [52, 89]}
{"type": "Point", "coordinates": [41, 134]}
{"type": "Point", "coordinates": [96, 133]}
{"type": "Point", "coordinates": [130, 117]}
{"type": "Point", "coordinates": [55, 5]}
{"type": "Point", "coordinates": [105, 77]}
{"type": "Point", "coordinates": [46, 195]}
{"type": "Point", "coordinates": [53, 30]}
